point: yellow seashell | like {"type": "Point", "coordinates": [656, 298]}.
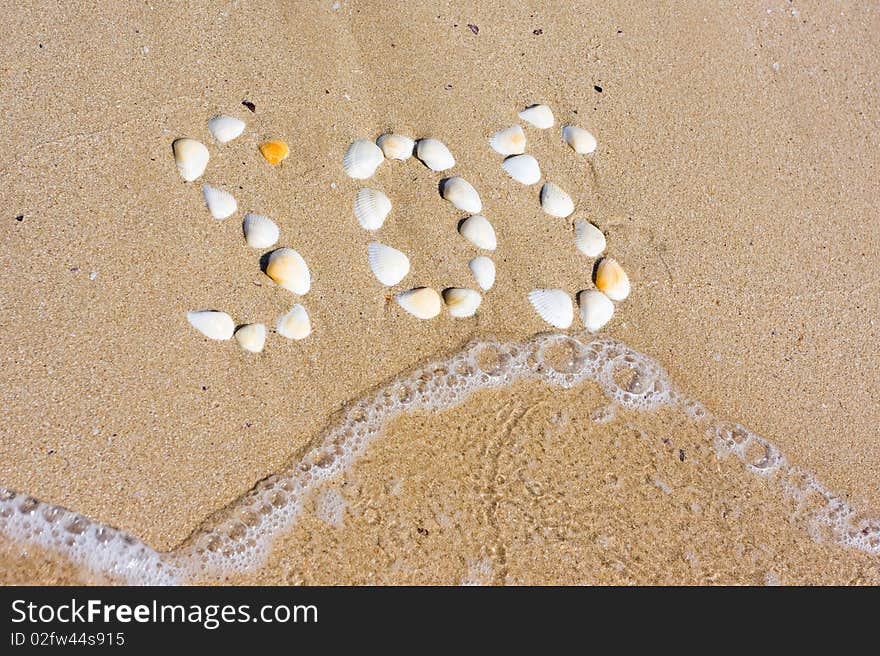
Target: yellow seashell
{"type": "Point", "coordinates": [612, 279]}
{"type": "Point", "coordinates": [274, 151]}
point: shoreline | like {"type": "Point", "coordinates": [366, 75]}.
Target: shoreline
{"type": "Point", "coordinates": [271, 513]}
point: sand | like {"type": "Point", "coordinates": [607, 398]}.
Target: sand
{"type": "Point", "coordinates": [735, 180]}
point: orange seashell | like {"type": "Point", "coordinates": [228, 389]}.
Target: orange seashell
{"type": "Point", "coordinates": [274, 151]}
{"type": "Point", "coordinates": [612, 279]}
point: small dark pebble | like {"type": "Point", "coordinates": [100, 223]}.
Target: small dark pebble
{"type": "Point", "coordinates": [667, 441]}
{"type": "Point", "coordinates": [448, 87]}
{"type": "Point", "coordinates": [251, 106]}
{"type": "Point", "coordinates": [20, 218]}
{"type": "Point", "coordinates": [204, 388]}
{"type": "Point", "coordinates": [74, 269]}
{"type": "Point", "coordinates": [538, 32]}
{"type": "Point", "coordinates": [598, 88]}
{"type": "Point", "coordinates": [421, 530]}
{"type": "Point", "coordinates": [681, 454]}
{"type": "Point", "coordinates": [473, 28]}
{"type": "Point", "coordinates": [620, 31]}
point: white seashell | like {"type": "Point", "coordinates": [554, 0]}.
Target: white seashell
{"type": "Point", "coordinates": [421, 302]}
{"type": "Point", "coordinates": [462, 302]}
{"type": "Point", "coordinates": [523, 169]}
{"type": "Point", "coordinates": [434, 154]}
{"type": "Point", "coordinates": [596, 309]}
{"type": "Point", "coordinates": [259, 231]}
{"type": "Point", "coordinates": [510, 141]}
{"type": "Point", "coordinates": [538, 115]}
{"type": "Point", "coordinates": [251, 337]}
{"type": "Point", "coordinates": [396, 146]}
{"type": "Point", "coordinates": [483, 269]}
{"type": "Point", "coordinates": [289, 269]}
{"type": "Point", "coordinates": [191, 157]}
{"type": "Point", "coordinates": [361, 159]}
{"type": "Point", "coordinates": [579, 139]}
{"type": "Point", "coordinates": [295, 324]}
{"type": "Point", "coordinates": [612, 279]}
{"type": "Point", "coordinates": [462, 194]}
{"type": "Point", "coordinates": [553, 306]}
{"type": "Point", "coordinates": [212, 324]}
{"type": "Point", "coordinates": [478, 231]}
{"type": "Point", "coordinates": [225, 128]}
{"type": "Point", "coordinates": [221, 204]}
{"type": "Point", "coordinates": [589, 239]}
{"type": "Point", "coordinates": [389, 265]}
{"type": "Point", "coordinates": [555, 201]}
{"type": "Point", "coordinates": [371, 208]}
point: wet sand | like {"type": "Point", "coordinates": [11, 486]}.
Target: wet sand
{"type": "Point", "coordinates": [739, 194]}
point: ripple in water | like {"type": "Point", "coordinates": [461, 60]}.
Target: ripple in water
{"type": "Point", "coordinates": [243, 537]}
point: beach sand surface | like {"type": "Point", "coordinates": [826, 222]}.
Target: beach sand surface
{"type": "Point", "coordinates": [735, 179]}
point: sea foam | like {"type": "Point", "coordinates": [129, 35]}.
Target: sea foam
{"type": "Point", "coordinates": [241, 539]}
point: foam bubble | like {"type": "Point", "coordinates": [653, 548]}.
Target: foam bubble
{"type": "Point", "coordinates": [99, 548]}
{"type": "Point", "coordinates": [242, 538]}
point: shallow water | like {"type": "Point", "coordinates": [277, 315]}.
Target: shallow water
{"type": "Point", "coordinates": [565, 459]}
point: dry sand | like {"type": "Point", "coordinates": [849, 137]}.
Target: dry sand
{"type": "Point", "coordinates": [735, 178]}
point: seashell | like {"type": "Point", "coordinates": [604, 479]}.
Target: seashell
{"type": "Point", "coordinates": [221, 204]}
{"type": "Point", "coordinates": [389, 265]}
{"type": "Point", "coordinates": [462, 194]}
{"type": "Point", "coordinates": [579, 139]}
{"type": "Point", "coordinates": [259, 231]}
{"type": "Point", "coordinates": [274, 151]}
{"type": "Point", "coordinates": [361, 159]}
{"type": "Point", "coordinates": [191, 157]}
{"type": "Point", "coordinates": [251, 337]}
{"type": "Point", "coordinates": [510, 141]}
{"type": "Point", "coordinates": [538, 115]}
{"type": "Point", "coordinates": [462, 302]}
{"type": "Point", "coordinates": [612, 279]}
{"type": "Point", "coordinates": [478, 231]}
{"type": "Point", "coordinates": [212, 324]}
{"type": "Point", "coordinates": [523, 169]}
{"type": "Point", "coordinates": [596, 309]}
{"type": "Point", "coordinates": [289, 269]}
{"type": "Point", "coordinates": [396, 146]}
{"type": "Point", "coordinates": [371, 207]}
{"type": "Point", "coordinates": [295, 324]}
{"type": "Point", "coordinates": [555, 201]}
{"type": "Point", "coordinates": [434, 154]}
{"type": "Point", "coordinates": [225, 128]}
{"type": "Point", "coordinates": [553, 306]}
{"type": "Point", "coordinates": [589, 239]}
{"type": "Point", "coordinates": [421, 302]}
{"type": "Point", "coordinates": [483, 269]}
